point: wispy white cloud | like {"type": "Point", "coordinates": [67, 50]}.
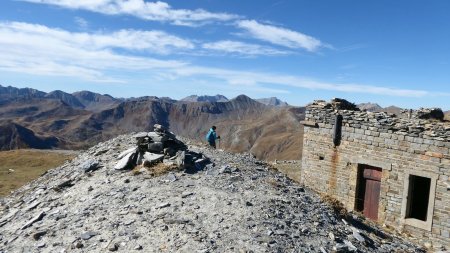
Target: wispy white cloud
{"type": "Point", "coordinates": [156, 11]}
{"type": "Point", "coordinates": [241, 48]}
{"type": "Point", "coordinates": [40, 50]}
{"type": "Point", "coordinates": [280, 36]}
{"type": "Point", "coordinates": [163, 12]}
{"type": "Point", "coordinates": [152, 41]}
{"type": "Point", "coordinates": [259, 78]}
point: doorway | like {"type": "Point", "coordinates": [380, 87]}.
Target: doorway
{"type": "Point", "coordinates": [368, 190]}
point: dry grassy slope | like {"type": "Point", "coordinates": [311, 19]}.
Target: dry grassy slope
{"type": "Point", "coordinates": [447, 115]}
{"type": "Point", "coordinates": [277, 135]}
{"type": "Point", "coordinates": [244, 125]}
{"type": "Point", "coordinates": [18, 167]}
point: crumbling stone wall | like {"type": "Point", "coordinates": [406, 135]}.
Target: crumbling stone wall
{"type": "Point", "coordinates": [401, 146]}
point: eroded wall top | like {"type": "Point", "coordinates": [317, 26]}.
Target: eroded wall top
{"type": "Point", "coordinates": [424, 123]}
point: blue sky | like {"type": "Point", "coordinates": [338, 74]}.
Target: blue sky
{"type": "Point", "coordinates": [389, 52]}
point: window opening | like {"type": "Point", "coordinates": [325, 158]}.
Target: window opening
{"type": "Point", "coordinates": [418, 197]}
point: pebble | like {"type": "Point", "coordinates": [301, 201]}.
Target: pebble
{"type": "Point", "coordinates": [113, 247]}
{"type": "Point", "coordinates": [40, 245]}
{"type": "Point", "coordinates": [88, 235]}
{"type": "Point", "coordinates": [163, 205]}
{"type": "Point", "coordinates": [39, 234]}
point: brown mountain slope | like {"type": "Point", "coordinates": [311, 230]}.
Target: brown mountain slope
{"type": "Point", "coordinates": [244, 124]}
{"type": "Point", "coordinates": [15, 136]}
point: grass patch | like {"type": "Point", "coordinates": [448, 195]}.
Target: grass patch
{"type": "Point", "coordinates": [337, 206]}
{"type": "Point", "coordinates": [18, 167]}
{"type": "Point", "coordinates": [155, 170]}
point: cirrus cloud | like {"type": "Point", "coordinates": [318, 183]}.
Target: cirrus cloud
{"type": "Point", "coordinates": [280, 36]}
{"type": "Point", "coordinates": [155, 11]}
{"type": "Point", "coordinates": [241, 48]}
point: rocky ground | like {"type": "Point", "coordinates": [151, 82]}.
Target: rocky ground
{"type": "Point", "coordinates": [233, 204]}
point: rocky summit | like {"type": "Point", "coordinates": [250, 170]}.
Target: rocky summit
{"type": "Point", "coordinates": [151, 192]}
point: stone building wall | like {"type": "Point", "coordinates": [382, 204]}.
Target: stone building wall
{"type": "Point", "coordinates": [403, 148]}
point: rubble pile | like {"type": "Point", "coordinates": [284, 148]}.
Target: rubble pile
{"type": "Point", "coordinates": [424, 123]}
{"type": "Point", "coordinates": [428, 113]}
{"type": "Point", "coordinates": [336, 104]}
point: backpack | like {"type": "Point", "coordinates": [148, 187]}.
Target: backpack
{"type": "Point", "coordinates": [209, 136]}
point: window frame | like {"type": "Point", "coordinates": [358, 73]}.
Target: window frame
{"type": "Point", "coordinates": [426, 225]}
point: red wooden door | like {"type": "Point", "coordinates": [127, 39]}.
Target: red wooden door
{"type": "Point", "coordinates": [372, 176]}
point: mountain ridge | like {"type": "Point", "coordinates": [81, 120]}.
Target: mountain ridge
{"type": "Point", "coordinates": [272, 101]}
{"type": "Point", "coordinates": [205, 98]}
{"type": "Point", "coordinates": [244, 124]}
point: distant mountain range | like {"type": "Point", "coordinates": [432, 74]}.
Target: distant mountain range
{"type": "Point", "coordinates": [81, 100]}
{"type": "Point", "coordinates": [195, 98]}
{"type": "Point", "coordinates": [272, 101]}
{"type": "Point", "coordinates": [370, 107]}
{"type": "Point", "coordinates": [32, 118]}
{"type": "Point", "coordinates": [373, 107]}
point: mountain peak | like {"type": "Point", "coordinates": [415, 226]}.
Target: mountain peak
{"type": "Point", "coordinates": [371, 107]}
{"type": "Point", "coordinates": [272, 101]}
{"type": "Point", "coordinates": [67, 98]}
{"type": "Point", "coordinates": [243, 98]}
{"type": "Point", "coordinates": [205, 98]}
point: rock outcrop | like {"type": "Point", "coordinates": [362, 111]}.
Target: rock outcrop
{"type": "Point", "coordinates": [216, 202]}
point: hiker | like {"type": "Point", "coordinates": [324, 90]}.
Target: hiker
{"type": "Point", "coordinates": [211, 137]}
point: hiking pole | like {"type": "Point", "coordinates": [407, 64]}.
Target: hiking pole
{"type": "Point", "coordinates": [218, 145]}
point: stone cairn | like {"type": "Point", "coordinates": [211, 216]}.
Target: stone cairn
{"type": "Point", "coordinates": [160, 146]}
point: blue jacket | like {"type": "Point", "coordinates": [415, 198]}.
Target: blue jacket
{"type": "Point", "coordinates": [211, 136]}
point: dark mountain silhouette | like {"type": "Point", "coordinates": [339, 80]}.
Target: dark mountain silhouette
{"type": "Point", "coordinates": [272, 101]}
{"type": "Point", "coordinates": [195, 98]}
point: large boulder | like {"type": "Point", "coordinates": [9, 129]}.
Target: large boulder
{"type": "Point", "coordinates": [89, 165]}
{"type": "Point", "coordinates": [156, 147]}
{"type": "Point", "coordinates": [157, 137]}
{"type": "Point", "coordinates": [125, 162]}
{"type": "Point", "coordinates": [150, 158]}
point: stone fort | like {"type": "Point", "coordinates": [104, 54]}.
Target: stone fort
{"type": "Point", "coordinates": [394, 169]}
